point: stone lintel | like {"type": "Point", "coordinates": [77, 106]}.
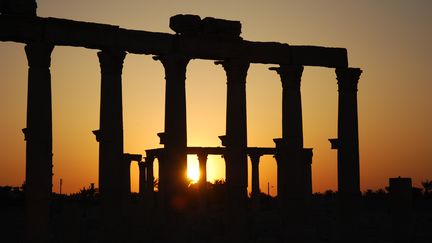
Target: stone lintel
{"type": "Point", "coordinates": [99, 36]}
{"type": "Point", "coordinates": [132, 157]}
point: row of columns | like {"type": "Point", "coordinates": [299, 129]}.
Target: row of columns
{"type": "Point", "coordinates": [293, 160]}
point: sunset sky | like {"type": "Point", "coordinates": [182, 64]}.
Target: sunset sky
{"type": "Point", "coordinates": [390, 40]}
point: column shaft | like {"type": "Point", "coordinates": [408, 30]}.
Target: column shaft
{"type": "Point", "coordinates": [110, 135]}
{"type": "Point", "coordinates": [291, 165]}
{"type": "Point", "coordinates": [255, 158]}
{"type": "Point", "coordinates": [142, 178]}
{"type": "Point", "coordinates": [150, 180]}
{"type": "Point", "coordinates": [202, 183]}
{"type": "Point", "coordinates": [235, 155]}
{"type": "Point", "coordinates": [236, 133]}
{"type": "Point", "coordinates": [348, 154]}
{"type": "Point", "coordinates": [173, 167]}
{"type": "Point", "coordinates": [38, 136]}
{"type": "Point", "coordinates": [348, 143]}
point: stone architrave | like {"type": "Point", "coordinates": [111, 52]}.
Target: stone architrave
{"type": "Point", "coordinates": [38, 136]}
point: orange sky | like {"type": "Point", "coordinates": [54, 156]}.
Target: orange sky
{"type": "Point", "coordinates": [390, 40]}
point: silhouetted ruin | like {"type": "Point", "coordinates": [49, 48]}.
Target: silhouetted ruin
{"type": "Point", "coordinates": [168, 208]}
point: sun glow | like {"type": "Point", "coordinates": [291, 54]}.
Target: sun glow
{"type": "Point", "coordinates": [193, 169]}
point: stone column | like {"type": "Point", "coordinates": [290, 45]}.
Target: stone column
{"type": "Point", "coordinates": [150, 180]}
{"type": "Point", "coordinates": [347, 142]}
{"type": "Point", "coordinates": [292, 123]}
{"type": "Point", "coordinates": [307, 159]}
{"type": "Point", "coordinates": [347, 145]}
{"type": "Point", "coordinates": [202, 183]}
{"type": "Point", "coordinates": [235, 155]}
{"type": "Point", "coordinates": [142, 178]}
{"type": "Point", "coordinates": [110, 138]}
{"type": "Point", "coordinates": [255, 159]}
{"type": "Point", "coordinates": [235, 139]}
{"type": "Point", "coordinates": [202, 159]}
{"type": "Point", "coordinates": [173, 181]}
{"type": "Point", "coordinates": [292, 169]}
{"type": "Point", "coordinates": [38, 136]}
{"type": "Point", "coordinates": [293, 164]}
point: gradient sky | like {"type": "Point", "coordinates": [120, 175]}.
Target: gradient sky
{"type": "Point", "coordinates": [389, 39]}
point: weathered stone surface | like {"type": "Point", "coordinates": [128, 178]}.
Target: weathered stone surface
{"type": "Point", "coordinates": [18, 7]}
{"type": "Point", "coordinates": [220, 27]}
{"type": "Point", "coordinates": [186, 24]}
{"type": "Point", "coordinates": [100, 36]}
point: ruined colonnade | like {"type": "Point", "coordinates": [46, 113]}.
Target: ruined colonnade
{"type": "Point", "coordinates": [174, 52]}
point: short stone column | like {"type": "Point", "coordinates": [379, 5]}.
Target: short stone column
{"type": "Point", "coordinates": [255, 159]}
{"type": "Point", "coordinates": [202, 182]}
{"type": "Point", "coordinates": [172, 179]}
{"type": "Point", "coordinates": [38, 136]}
{"type": "Point", "coordinates": [142, 178]}
{"type": "Point", "coordinates": [235, 139]}
{"type": "Point", "coordinates": [307, 159]}
{"type": "Point", "coordinates": [150, 197]}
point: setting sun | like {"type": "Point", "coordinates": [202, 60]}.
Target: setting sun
{"type": "Point", "coordinates": [193, 169]}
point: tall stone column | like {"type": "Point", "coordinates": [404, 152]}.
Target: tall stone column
{"type": "Point", "coordinates": [142, 178]}
{"type": "Point", "coordinates": [347, 145]}
{"type": "Point", "coordinates": [255, 159]}
{"type": "Point", "coordinates": [294, 189]}
{"type": "Point", "coordinates": [38, 136]}
{"type": "Point", "coordinates": [235, 155]}
{"type": "Point", "coordinates": [235, 139]}
{"type": "Point", "coordinates": [110, 138]}
{"type": "Point", "coordinates": [348, 142]}
{"type": "Point", "coordinates": [292, 169]}
{"type": "Point", "coordinates": [172, 180]}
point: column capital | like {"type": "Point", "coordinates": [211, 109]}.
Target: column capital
{"type": "Point", "coordinates": [348, 78]}
{"type": "Point", "coordinates": [173, 60]}
{"type": "Point", "coordinates": [202, 156]}
{"type": "Point", "coordinates": [142, 164]}
{"type": "Point", "coordinates": [255, 157]}
{"type": "Point", "coordinates": [290, 75]}
{"type": "Point", "coordinates": [111, 61]}
{"type": "Point", "coordinates": [39, 54]}
{"type": "Point", "coordinates": [149, 160]}
{"type": "Point", "coordinates": [236, 69]}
